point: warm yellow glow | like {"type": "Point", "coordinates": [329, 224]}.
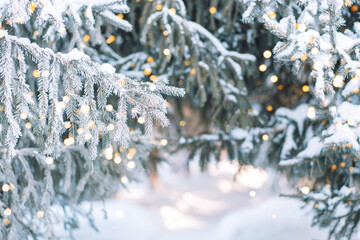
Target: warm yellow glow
{"type": "Point", "coordinates": [311, 112]}
{"type": "Point", "coordinates": [23, 115]}
{"type": "Point", "coordinates": [154, 78]}
{"type": "Point", "coordinates": [66, 99]}
{"type": "Point", "coordinates": [182, 123]}
{"type": "Point", "coordinates": [267, 54]}
{"type": "Point", "coordinates": [166, 51]}
{"type": "Point", "coordinates": [131, 165]}
{"type": "Point", "coordinates": [272, 15]}
{"type": "Point", "coordinates": [40, 214]}
{"type": "Point", "coordinates": [49, 160]}
{"type": "Point", "coordinates": [36, 73]}
{"type": "Point", "coordinates": [150, 59]}
{"type": "Point", "coordinates": [86, 38]}
{"type": "Point", "coordinates": [265, 137]}
{"type": "Point", "coordinates": [338, 81]}
{"type": "Point", "coordinates": [147, 71]}
{"type": "Point", "coordinates": [354, 8]}
{"type": "Point", "coordinates": [152, 87]}
{"type": "Point", "coordinates": [274, 78]}
{"type": "Point", "coordinates": [5, 187]}
{"type": "Point", "coordinates": [172, 11]}
{"type": "Point", "coordinates": [347, 3]}
{"type": "Point", "coordinates": [88, 136]}
{"type": "Point", "coordinates": [121, 82]}
{"type": "Point", "coordinates": [141, 120]}
{"type": "Point", "coordinates": [7, 212]}
{"type": "Point", "coordinates": [111, 127]}
{"type": "Point", "coordinates": [212, 10]}
{"type": "Point", "coordinates": [317, 66]}
{"type": "Point", "coordinates": [164, 142]}
{"type": "Point", "coordinates": [28, 125]}
{"type": "Point", "coordinates": [124, 180]}
{"type": "Point", "coordinates": [192, 71]}
{"type": "Point", "coordinates": [67, 125]}
{"type": "Point", "coordinates": [262, 68]}
{"type": "Point", "coordinates": [36, 32]}
{"type": "Point", "coordinates": [302, 27]}
{"type": "Point", "coordinates": [80, 131]}
{"type": "Point", "coordinates": [303, 57]}
{"type": "Point", "coordinates": [120, 15]}
{"type": "Point", "coordinates": [351, 122]}
{"type": "Point", "coordinates": [85, 109]}
{"type": "Point", "coordinates": [165, 33]}
{"type": "Point", "coordinates": [314, 51]}
{"type": "Point", "coordinates": [269, 108]}
{"type": "Point", "coordinates": [305, 190]}
{"type": "Point", "coordinates": [305, 88]}
{"type": "Point", "coordinates": [159, 6]}
{"type": "Point", "coordinates": [110, 39]}
{"type": "Point", "coordinates": [6, 222]}
{"type": "Point", "coordinates": [91, 124]}
{"type": "Point", "coordinates": [69, 141]}
{"type": "Point", "coordinates": [109, 107]}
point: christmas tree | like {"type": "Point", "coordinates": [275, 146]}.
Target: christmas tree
{"type": "Point", "coordinates": [82, 83]}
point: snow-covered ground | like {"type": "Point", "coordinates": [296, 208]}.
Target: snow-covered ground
{"type": "Point", "coordinates": [194, 205]}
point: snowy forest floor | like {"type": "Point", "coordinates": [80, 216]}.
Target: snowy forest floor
{"type": "Point", "coordinates": [195, 205]}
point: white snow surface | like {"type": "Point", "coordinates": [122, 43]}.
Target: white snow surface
{"type": "Point", "coordinates": [199, 205]}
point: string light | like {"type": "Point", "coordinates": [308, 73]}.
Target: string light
{"type": "Point", "coordinates": [109, 107]}
{"type": "Point", "coordinates": [36, 32]}
{"type": "Point", "coordinates": [23, 115]}
{"type": "Point", "coordinates": [124, 180]}
{"type": "Point", "coordinates": [302, 27]}
{"type": "Point", "coordinates": [110, 39]}
{"type": "Point", "coordinates": [172, 11]}
{"type": "Point", "coordinates": [314, 51]}
{"type": "Point", "coordinates": [80, 131]}
{"type": "Point", "coordinates": [5, 187]}
{"type": "Point", "coordinates": [338, 81]}
{"type": "Point", "coordinates": [86, 38]}
{"type": "Point", "coordinates": [303, 57]}
{"type": "Point", "coordinates": [347, 3]}
{"type": "Point", "coordinates": [69, 141]}
{"type": "Point", "coordinates": [28, 125]}
{"type": "Point", "coordinates": [252, 193]}
{"type": "Point", "coordinates": [182, 123]}
{"type": "Point", "coordinates": [165, 33]}
{"type": "Point", "coordinates": [6, 222]}
{"type": "Point", "coordinates": [147, 71]}
{"type": "Point", "coordinates": [192, 71]}
{"type": "Point", "coordinates": [274, 78]}
{"type": "Point", "coordinates": [269, 108]}
{"type": "Point", "coordinates": [152, 87]}
{"type": "Point", "coordinates": [272, 15]}
{"type": "Point", "coordinates": [166, 51]}
{"type": "Point", "coordinates": [36, 73]}
{"type": "Point", "coordinates": [149, 59]}
{"type": "Point", "coordinates": [164, 142]}
{"type": "Point", "coordinates": [84, 109]}
{"type": "Point", "coordinates": [305, 190]}
{"type": "Point", "coordinates": [265, 137]}
{"type": "Point", "coordinates": [67, 125]}
{"type": "Point", "coordinates": [262, 68]}
{"type": "Point", "coordinates": [317, 66]}
{"type": "Point", "coordinates": [311, 112]}
{"type": "Point", "coordinates": [159, 6]}
{"type": "Point", "coordinates": [49, 160]}
{"type": "Point", "coordinates": [267, 54]}
{"type": "Point", "coordinates": [351, 122]}
{"type": "Point", "coordinates": [117, 158]}
{"type": "Point", "coordinates": [111, 127]}
{"type": "Point", "coordinates": [305, 88]}
{"type": "Point", "coordinates": [91, 124]}
{"type": "Point", "coordinates": [141, 120]}
{"type": "Point", "coordinates": [40, 214]}
{"type": "Point", "coordinates": [333, 167]}
{"type": "Point", "coordinates": [120, 15]}
{"type": "Point", "coordinates": [154, 78]}
{"type": "Point", "coordinates": [66, 99]}
{"type": "Point", "coordinates": [7, 212]}
{"type": "Point", "coordinates": [212, 10]}
{"type": "Point", "coordinates": [131, 164]}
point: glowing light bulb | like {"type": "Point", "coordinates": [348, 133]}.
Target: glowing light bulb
{"type": "Point", "coordinates": [85, 109]}
{"type": "Point", "coordinates": [147, 71]}
{"type": "Point", "coordinates": [164, 142]}
{"type": "Point", "coordinates": [149, 59]}
{"type": "Point", "coordinates": [152, 87]}
{"type": "Point", "coordinates": [111, 127]}
{"type": "Point", "coordinates": [311, 112]}
{"type": "Point", "coordinates": [7, 212]}
{"type": "Point", "coordinates": [5, 187]}
{"type": "Point", "coordinates": [23, 115]}
{"type": "Point", "coordinates": [267, 54]}
{"type": "Point", "coordinates": [265, 137]}
{"type": "Point", "coordinates": [338, 81]}
{"type": "Point", "coordinates": [40, 214]}
{"type": "Point", "coordinates": [141, 120]}
{"type": "Point", "coordinates": [49, 160]}
{"type": "Point", "coordinates": [274, 78]}
{"type": "Point", "coordinates": [212, 10]}
{"type": "Point", "coordinates": [305, 190]}
{"type": "Point", "coordinates": [86, 38]}
{"type": "Point", "coordinates": [305, 88]}
{"type": "Point", "coordinates": [124, 180]}
{"type": "Point", "coordinates": [109, 107]}
{"type": "Point", "coordinates": [36, 73]}
{"type": "Point", "coordinates": [262, 68]}
{"type": "Point", "coordinates": [302, 27]}
{"type": "Point", "coordinates": [166, 52]}
{"type": "Point", "coordinates": [28, 125]}
{"type": "Point", "coordinates": [131, 164]}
